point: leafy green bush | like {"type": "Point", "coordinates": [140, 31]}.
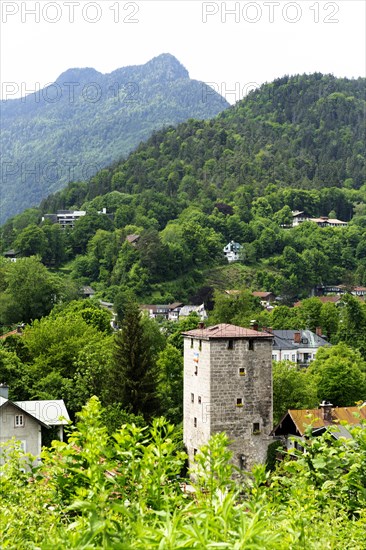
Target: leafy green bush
{"type": "Point", "coordinates": [125, 491]}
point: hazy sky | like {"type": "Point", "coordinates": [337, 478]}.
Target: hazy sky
{"type": "Point", "coordinates": [235, 46]}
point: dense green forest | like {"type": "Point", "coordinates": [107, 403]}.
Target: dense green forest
{"type": "Point", "coordinates": [86, 120]}
{"type": "Point", "coordinates": [297, 143]}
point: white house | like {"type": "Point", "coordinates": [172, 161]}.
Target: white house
{"type": "Point", "coordinates": [232, 251]}
{"type": "Point", "coordinates": [23, 421]}
{"type": "Point", "coordinates": [323, 221]}
{"type": "Point", "coordinates": [298, 346]}
{"type": "Point", "coordinates": [200, 310]}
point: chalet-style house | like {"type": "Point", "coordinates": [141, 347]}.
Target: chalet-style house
{"type": "Point", "coordinates": [299, 346]}
{"type": "Point", "coordinates": [323, 221]}
{"type": "Point", "coordinates": [23, 421]}
{"type": "Point", "coordinates": [339, 290]}
{"type": "Point", "coordinates": [266, 298]}
{"type": "Point", "coordinates": [294, 424]}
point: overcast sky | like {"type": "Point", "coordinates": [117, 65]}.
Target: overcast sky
{"type": "Point", "coordinates": [235, 46]}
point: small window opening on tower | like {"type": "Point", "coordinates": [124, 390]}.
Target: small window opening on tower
{"type": "Point", "coordinates": [192, 397]}
{"type": "Point", "coordinates": [196, 370]}
{"type": "Point", "coordinates": [200, 345]}
{"type": "Point", "coordinates": [242, 371]}
{"type": "Point", "coordinates": [256, 428]}
{"type": "Point", "coordinates": [195, 422]}
{"type": "Point", "coordinates": [191, 342]}
{"type": "Point", "coordinates": [251, 344]}
{"type": "Point", "coordinates": [199, 400]}
{"type": "Point", "coordinates": [230, 344]}
{"type": "Point", "coordinates": [242, 462]}
{"type": "Point", "coordinates": [194, 452]}
{"type": "Point", "coordinates": [239, 402]}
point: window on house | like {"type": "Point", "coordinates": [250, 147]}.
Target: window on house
{"type": "Point", "coordinates": [239, 402]}
{"type": "Point", "coordinates": [23, 445]}
{"type": "Point", "coordinates": [192, 397]}
{"type": "Point", "coordinates": [195, 422]}
{"type": "Point", "coordinates": [242, 371]}
{"type": "Point", "coordinates": [274, 357]}
{"type": "Point", "coordinates": [251, 345]}
{"type": "Point", "coordinates": [256, 428]}
{"type": "Point", "coordinates": [200, 345]}
{"type": "Point", "coordinates": [19, 420]}
{"type": "Point", "coordinates": [230, 344]}
{"type": "Point", "coordinates": [199, 400]}
{"type": "Point", "coordinates": [191, 342]}
{"type": "Point", "coordinates": [286, 356]}
{"type": "Point", "coordinates": [196, 370]}
{"type": "Point", "coordinates": [293, 359]}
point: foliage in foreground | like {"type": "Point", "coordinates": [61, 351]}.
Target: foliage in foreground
{"type": "Point", "coordinates": [125, 492]}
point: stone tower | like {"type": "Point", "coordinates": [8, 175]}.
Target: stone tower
{"type": "Point", "coordinates": [228, 388]}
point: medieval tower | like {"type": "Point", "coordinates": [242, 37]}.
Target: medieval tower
{"type": "Point", "coordinates": [228, 388]}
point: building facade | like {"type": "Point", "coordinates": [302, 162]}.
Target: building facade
{"type": "Point", "coordinates": [232, 251]}
{"type": "Point", "coordinates": [228, 388]}
{"type": "Point", "coordinates": [299, 346]}
{"type": "Point", "coordinates": [23, 421]}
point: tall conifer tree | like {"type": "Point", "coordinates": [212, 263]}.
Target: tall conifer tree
{"type": "Point", "coordinates": [134, 377]}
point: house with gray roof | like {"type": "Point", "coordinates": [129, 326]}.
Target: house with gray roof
{"type": "Point", "coordinates": [299, 346]}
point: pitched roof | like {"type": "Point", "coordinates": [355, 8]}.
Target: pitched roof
{"type": "Point", "coordinates": [284, 339]}
{"type": "Point", "coordinates": [133, 238]}
{"type": "Point", "coordinates": [46, 411]}
{"type": "Point", "coordinates": [260, 294]}
{"type": "Point", "coordinates": [224, 330]}
{"type": "Point", "coordinates": [305, 417]}
{"type": "Point", "coordinates": [87, 289]}
{"type": "Point", "coordinates": [4, 402]}
{"type": "Point", "coordinates": [3, 336]}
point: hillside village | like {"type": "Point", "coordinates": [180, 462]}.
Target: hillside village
{"type": "Point", "coordinates": [183, 336]}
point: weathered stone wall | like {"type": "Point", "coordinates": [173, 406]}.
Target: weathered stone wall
{"type": "Point", "coordinates": [254, 388]}
{"type": "Point", "coordinates": [198, 386]}
{"type": "Point", "coordinates": [220, 383]}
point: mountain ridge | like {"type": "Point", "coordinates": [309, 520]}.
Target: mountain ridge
{"type": "Point", "coordinates": [86, 120]}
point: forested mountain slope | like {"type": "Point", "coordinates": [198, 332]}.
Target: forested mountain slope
{"type": "Point", "coordinates": [296, 143]}
{"type": "Point", "coordinates": [303, 132]}
{"type": "Point", "coordinates": [86, 120]}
